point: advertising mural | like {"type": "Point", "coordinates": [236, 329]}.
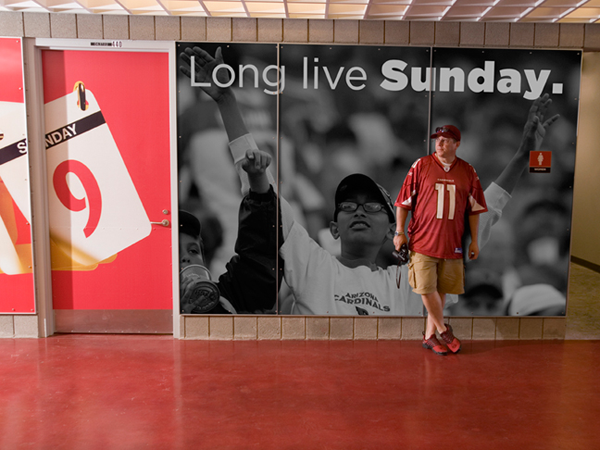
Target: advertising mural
{"type": "Point", "coordinates": [346, 117]}
{"type": "Point", "coordinates": [16, 277]}
{"type": "Point", "coordinates": [343, 110]}
{"type": "Point", "coordinates": [488, 94]}
{"type": "Point", "coordinates": [227, 240]}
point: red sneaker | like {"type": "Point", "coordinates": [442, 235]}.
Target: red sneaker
{"type": "Point", "coordinates": [450, 340]}
{"type": "Point", "coordinates": [433, 344]}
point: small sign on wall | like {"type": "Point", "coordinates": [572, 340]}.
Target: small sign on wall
{"type": "Point", "coordinates": [540, 162]}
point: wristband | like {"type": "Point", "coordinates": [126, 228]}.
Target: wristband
{"type": "Point", "coordinates": [398, 233]}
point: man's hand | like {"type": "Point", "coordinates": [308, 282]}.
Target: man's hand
{"type": "Point", "coordinates": [535, 127]}
{"type": "Point", "coordinates": [533, 136]}
{"type": "Point", "coordinates": [256, 162]}
{"type": "Point", "coordinates": [255, 165]}
{"type": "Point", "coordinates": [473, 250]}
{"type": "Point", "coordinates": [399, 241]}
{"type": "Point", "coordinates": [204, 65]}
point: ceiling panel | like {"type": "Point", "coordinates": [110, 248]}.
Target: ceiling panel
{"type": "Point", "coordinates": [564, 11]}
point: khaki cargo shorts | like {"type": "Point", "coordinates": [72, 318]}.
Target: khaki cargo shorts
{"type": "Point", "coordinates": [427, 274]}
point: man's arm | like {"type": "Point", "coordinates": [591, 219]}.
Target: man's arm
{"type": "Point", "coordinates": [204, 65]}
{"type": "Point", "coordinates": [251, 281]}
{"type": "Point", "coordinates": [498, 193]}
{"type": "Point", "coordinates": [400, 238]}
{"type": "Point", "coordinates": [474, 228]}
{"type": "Point", "coordinates": [533, 136]}
{"type": "Point", "coordinates": [235, 127]}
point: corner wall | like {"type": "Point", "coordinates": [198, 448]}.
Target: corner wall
{"type": "Point", "coordinates": [586, 210]}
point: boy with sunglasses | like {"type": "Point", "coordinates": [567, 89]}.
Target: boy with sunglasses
{"type": "Point", "coordinates": [351, 284]}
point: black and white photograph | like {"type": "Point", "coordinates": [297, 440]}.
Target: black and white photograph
{"type": "Point", "coordinates": [355, 126]}
{"type": "Point", "coordinates": [331, 132]}
{"type": "Point", "coordinates": [227, 234]}
{"type": "Point", "coordinates": [523, 268]}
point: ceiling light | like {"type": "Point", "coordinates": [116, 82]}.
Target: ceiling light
{"type": "Point", "coordinates": [444, 13]}
{"type": "Point", "coordinates": [524, 13]}
{"type": "Point", "coordinates": [568, 11]}
{"type": "Point", "coordinates": [484, 13]}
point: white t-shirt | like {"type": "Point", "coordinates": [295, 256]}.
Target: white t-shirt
{"type": "Point", "coordinates": [322, 285]}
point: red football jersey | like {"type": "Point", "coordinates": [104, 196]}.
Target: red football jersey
{"type": "Point", "coordinates": [438, 198]}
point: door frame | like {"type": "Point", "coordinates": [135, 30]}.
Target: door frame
{"type": "Point", "coordinates": [35, 109]}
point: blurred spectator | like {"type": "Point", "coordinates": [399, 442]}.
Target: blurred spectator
{"type": "Point", "coordinates": [537, 300]}
{"type": "Point", "coordinates": [482, 297]}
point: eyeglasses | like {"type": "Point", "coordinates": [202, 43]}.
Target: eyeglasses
{"type": "Point", "coordinates": [443, 130]}
{"type": "Point", "coordinates": [369, 207]}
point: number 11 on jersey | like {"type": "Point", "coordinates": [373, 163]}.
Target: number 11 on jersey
{"type": "Point", "coordinates": [451, 188]}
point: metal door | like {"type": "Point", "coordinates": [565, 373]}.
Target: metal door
{"type": "Point", "coordinates": [108, 152]}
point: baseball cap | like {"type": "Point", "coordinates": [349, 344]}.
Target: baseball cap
{"type": "Point", "coordinates": [189, 224]}
{"type": "Point", "coordinates": [449, 131]}
{"type": "Point", "coordinates": [358, 182]}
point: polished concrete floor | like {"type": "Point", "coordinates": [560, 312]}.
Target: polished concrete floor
{"type": "Point", "coordinates": [153, 392]}
{"type": "Point", "coordinates": [145, 392]}
{"type": "Point", "coordinates": [583, 303]}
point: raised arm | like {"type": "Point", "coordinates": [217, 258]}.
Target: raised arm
{"type": "Point", "coordinates": [251, 281]}
{"type": "Point", "coordinates": [498, 193]}
{"type": "Point", "coordinates": [251, 163]}
{"type": "Point", "coordinates": [203, 65]}
{"type": "Point", "coordinates": [533, 136]}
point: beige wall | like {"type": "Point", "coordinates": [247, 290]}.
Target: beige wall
{"type": "Point", "coordinates": [468, 34]}
{"type": "Point", "coordinates": [586, 201]}
{"type": "Point", "coordinates": [442, 34]}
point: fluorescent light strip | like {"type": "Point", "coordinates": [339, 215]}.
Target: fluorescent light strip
{"type": "Point", "coordinates": [527, 11]}
{"type": "Point", "coordinates": [447, 9]}
{"type": "Point", "coordinates": [484, 13]}
{"type": "Point", "coordinates": [563, 14]}
{"type": "Point", "coordinates": [403, 15]}
{"type": "Point", "coordinates": [568, 11]}
{"type": "Point", "coordinates": [444, 13]}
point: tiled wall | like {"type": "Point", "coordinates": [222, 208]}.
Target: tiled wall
{"type": "Point", "coordinates": [25, 326]}
{"type": "Point", "coordinates": [442, 34]}
{"type": "Point", "coordinates": [364, 328]}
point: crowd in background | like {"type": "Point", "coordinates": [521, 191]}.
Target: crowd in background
{"type": "Point", "coordinates": [326, 134]}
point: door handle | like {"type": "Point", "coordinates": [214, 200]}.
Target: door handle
{"type": "Point", "coordinates": [164, 223]}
